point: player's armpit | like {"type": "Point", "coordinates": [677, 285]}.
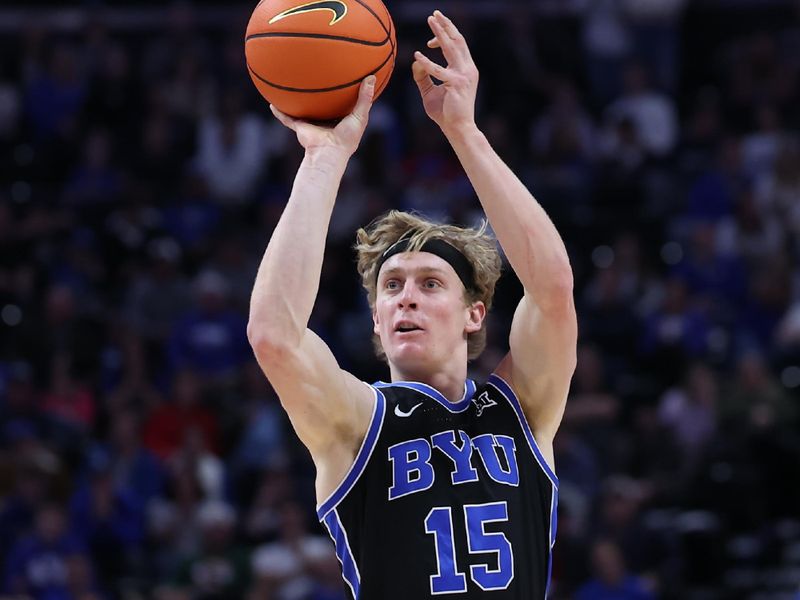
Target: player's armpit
{"type": "Point", "coordinates": [329, 408]}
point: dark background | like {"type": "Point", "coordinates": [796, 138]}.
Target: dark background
{"type": "Point", "coordinates": [142, 454]}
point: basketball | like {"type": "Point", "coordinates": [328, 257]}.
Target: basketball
{"type": "Point", "coordinates": [308, 58]}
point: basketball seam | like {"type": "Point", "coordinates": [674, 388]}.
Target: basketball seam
{"type": "Point", "coordinates": [319, 36]}
{"type": "Point", "coordinates": [391, 23]}
{"type": "Point", "coordinates": [320, 90]}
{"type": "Point", "coordinates": [377, 18]}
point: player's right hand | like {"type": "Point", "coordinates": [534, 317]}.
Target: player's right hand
{"type": "Point", "coordinates": [344, 136]}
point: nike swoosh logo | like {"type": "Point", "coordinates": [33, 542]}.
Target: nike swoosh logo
{"type": "Point", "coordinates": [400, 413]}
{"type": "Point", "coordinates": [337, 7]}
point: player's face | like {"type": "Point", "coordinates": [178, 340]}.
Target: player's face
{"type": "Point", "coordinates": [420, 313]}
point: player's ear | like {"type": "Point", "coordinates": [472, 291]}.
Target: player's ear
{"type": "Point", "coordinates": [476, 313]}
{"type": "Point", "coordinates": [375, 321]}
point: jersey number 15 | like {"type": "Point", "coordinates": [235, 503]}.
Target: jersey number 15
{"type": "Point", "coordinates": [448, 579]}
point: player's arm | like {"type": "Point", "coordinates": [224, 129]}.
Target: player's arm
{"type": "Point", "coordinates": [544, 330]}
{"type": "Point", "coordinates": [329, 408]}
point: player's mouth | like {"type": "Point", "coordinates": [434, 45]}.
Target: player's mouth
{"type": "Point", "coordinates": [407, 327]}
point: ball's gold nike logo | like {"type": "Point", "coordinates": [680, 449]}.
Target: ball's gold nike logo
{"type": "Point", "coordinates": [337, 7]}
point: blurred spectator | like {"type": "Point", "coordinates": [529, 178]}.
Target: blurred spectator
{"type": "Point", "coordinates": [788, 332]}
{"type": "Point", "coordinates": [39, 565]}
{"type": "Point", "coordinates": [95, 180]}
{"type": "Point", "coordinates": [56, 94]}
{"type": "Point", "coordinates": [281, 567]}
{"type": "Point", "coordinates": [220, 569]}
{"type": "Point", "coordinates": [159, 294]}
{"type": "Point", "coordinates": [655, 30]}
{"type": "Point", "coordinates": [114, 91]}
{"type": "Point", "coordinates": [262, 443]}
{"type": "Point", "coordinates": [651, 114]}
{"type": "Point", "coordinates": [607, 44]}
{"type": "Point", "coordinates": [612, 581]}
{"type": "Point", "coordinates": [192, 217]}
{"type": "Point", "coordinates": [564, 134]}
{"type": "Point", "coordinates": [690, 411]}
{"type": "Point", "coordinates": [168, 426]}
{"type": "Point", "coordinates": [231, 150]}
{"type": "Point", "coordinates": [751, 232]}
{"type": "Point", "coordinates": [173, 526]}
{"type": "Point", "coordinates": [768, 299]}
{"type": "Point", "coordinates": [674, 333]}
{"type": "Point", "coordinates": [755, 398]}
{"type": "Point", "coordinates": [702, 129]}
{"type": "Point", "coordinates": [262, 521]}
{"type": "Point", "coordinates": [777, 192]}
{"type": "Point", "coordinates": [430, 173]}
{"type": "Point", "coordinates": [10, 104]}
{"type": "Point", "coordinates": [110, 519]}
{"type": "Point", "coordinates": [60, 328]}
{"type": "Point", "coordinates": [324, 571]}
{"type": "Point", "coordinates": [760, 148]}
{"type": "Point", "coordinates": [135, 469]}
{"type": "Point", "coordinates": [579, 474]}
{"type": "Point", "coordinates": [563, 142]}
{"type": "Point", "coordinates": [711, 276]}
{"type": "Point", "coordinates": [237, 266]}
{"type": "Point", "coordinates": [621, 521]}
{"type": "Point", "coordinates": [210, 338]}
{"type": "Point", "coordinates": [189, 87]}
{"type": "Point", "coordinates": [607, 312]}
{"type": "Point", "coordinates": [593, 408]}
{"type": "Point", "coordinates": [68, 401]}
{"type": "Point", "coordinates": [29, 492]}
{"type": "Point", "coordinates": [194, 456]}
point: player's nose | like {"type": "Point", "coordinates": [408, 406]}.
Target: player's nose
{"type": "Point", "coordinates": [408, 297]}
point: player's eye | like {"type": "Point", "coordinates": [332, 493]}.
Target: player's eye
{"type": "Point", "coordinates": [391, 284]}
{"type": "Point", "coordinates": [432, 284]}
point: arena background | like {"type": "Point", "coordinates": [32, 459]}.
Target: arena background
{"type": "Point", "coordinates": [142, 453]}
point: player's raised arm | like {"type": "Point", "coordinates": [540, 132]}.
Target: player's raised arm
{"type": "Point", "coordinates": [328, 407]}
{"type": "Point", "coordinates": [544, 330]}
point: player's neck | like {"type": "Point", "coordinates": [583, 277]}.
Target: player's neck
{"type": "Point", "coordinates": [448, 383]}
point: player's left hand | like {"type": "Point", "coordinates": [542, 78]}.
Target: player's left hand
{"type": "Point", "coordinates": [451, 105]}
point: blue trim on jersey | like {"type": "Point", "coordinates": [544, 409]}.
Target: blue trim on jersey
{"type": "Point", "coordinates": [509, 394]}
{"type": "Point", "coordinates": [431, 392]}
{"type": "Point", "coordinates": [343, 552]}
{"type": "Point", "coordinates": [360, 462]}
{"type": "Point", "coordinates": [554, 518]}
{"type": "Point", "coordinates": [553, 528]}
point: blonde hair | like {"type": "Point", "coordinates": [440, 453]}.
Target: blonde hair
{"type": "Point", "coordinates": [475, 244]}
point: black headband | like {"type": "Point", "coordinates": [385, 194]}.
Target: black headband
{"type": "Point", "coordinates": [440, 248]}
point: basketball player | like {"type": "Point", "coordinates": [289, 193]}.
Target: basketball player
{"type": "Point", "coordinates": [432, 484]}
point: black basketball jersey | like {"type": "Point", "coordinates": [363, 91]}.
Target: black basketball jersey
{"type": "Point", "coordinates": [445, 499]}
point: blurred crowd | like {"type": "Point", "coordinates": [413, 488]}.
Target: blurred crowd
{"type": "Point", "coordinates": [142, 452]}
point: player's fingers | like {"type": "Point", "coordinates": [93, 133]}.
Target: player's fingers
{"type": "Point", "coordinates": [451, 53]}
{"type": "Point", "coordinates": [433, 43]}
{"type": "Point", "coordinates": [431, 68]}
{"type": "Point", "coordinates": [421, 78]}
{"type": "Point", "coordinates": [451, 31]}
{"type": "Point", "coordinates": [447, 26]}
{"type": "Point", "coordinates": [367, 89]}
{"type": "Point", "coordinates": [365, 94]}
{"type": "Point", "coordinates": [283, 118]}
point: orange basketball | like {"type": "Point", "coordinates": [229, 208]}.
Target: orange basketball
{"type": "Point", "coordinates": [308, 58]}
